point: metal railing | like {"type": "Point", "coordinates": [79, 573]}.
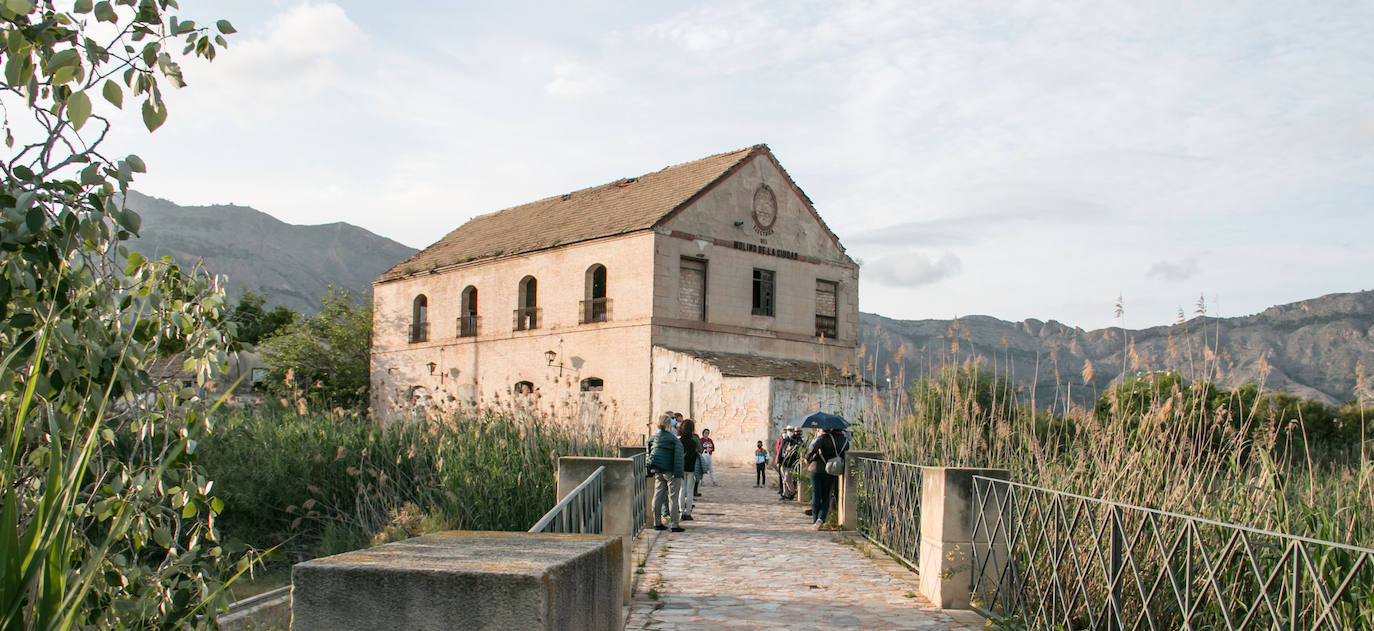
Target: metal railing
{"type": "Point", "coordinates": [639, 513]}
{"type": "Point", "coordinates": [594, 310]}
{"type": "Point", "coordinates": [527, 318]}
{"type": "Point", "coordinates": [419, 332]}
{"type": "Point", "coordinates": [827, 326]}
{"type": "Point", "coordinates": [467, 326]}
{"type": "Point", "coordinates": [580, 511]}
{"type": "Point", "coordinates": [889, 507]}
{"type": "Point", "coordinates": [1045, 559]}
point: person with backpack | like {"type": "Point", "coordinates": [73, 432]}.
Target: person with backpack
{"type": "Point", "coordinates": [828, 446]}
{"type": "Point", "coordinates": [760, 466]}
{"type": "Point", "coordinates": [787, 463]}
{"type": "Point", "coordinates": [665, 465]}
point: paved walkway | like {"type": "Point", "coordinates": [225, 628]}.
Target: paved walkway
{"type": "Point", "coordinates": [750, 561]}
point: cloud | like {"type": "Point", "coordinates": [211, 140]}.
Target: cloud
{"type": "Point", "coordinates": [574, 80]}
{"type": "Point", "coordinates": [912, 269]}
{"type": "Point", "coordinates": [1028, 208]}
{"type": "Point", "coordinates": [279, 70]}
{"type": "Point", "coordinates": [1174, 272]}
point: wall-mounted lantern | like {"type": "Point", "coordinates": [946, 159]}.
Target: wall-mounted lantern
{"type": "Point", "coordinates": [552, 357]}
{"type": "Point", "coordinates": [432, 366]}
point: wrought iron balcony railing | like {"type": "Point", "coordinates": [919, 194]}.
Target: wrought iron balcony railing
{"type": "Point", "coordinates": [579, 512]}
{"type": "Point", "coordinates": [594, 310]}
{"type": "Point", "coordinates": [467, 326]}
{"type": "Point", "coordinates": [419, 332]}
{"type": "Point", "coordinates": [827, 326]}
{"type": "Point", "coordinates": [528, 318]}
{"type": "Point", "coordinates": [1045, 559]}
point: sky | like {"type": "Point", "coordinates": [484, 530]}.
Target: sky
{"type": "Point", "coordinates": [1013, 159]}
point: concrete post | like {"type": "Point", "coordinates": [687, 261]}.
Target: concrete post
{"type": "Point", "coordinates": [947, 512]}
{"type": "Point", "coordinates": [617, 499]}
{"type": "Point", "coordinates": [849, 487]}
{"type": "Point", "coordinates": [628, 452]}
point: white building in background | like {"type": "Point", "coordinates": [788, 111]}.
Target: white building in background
{"type": "Point", "coordinates": [712, 288]}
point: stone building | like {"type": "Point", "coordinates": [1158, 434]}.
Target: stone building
{"type": "Point", "coordinates": [712, 288]}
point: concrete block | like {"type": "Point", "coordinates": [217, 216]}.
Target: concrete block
{"type": "Point", "coordinates": [465, 579]}
{"type": "Point", "coordinates": [947, 512]}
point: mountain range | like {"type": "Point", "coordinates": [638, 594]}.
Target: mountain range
{"type": "Point", "coordinates": [1311, 348]}
{"type": "Point", "coordinates": [289, 265]}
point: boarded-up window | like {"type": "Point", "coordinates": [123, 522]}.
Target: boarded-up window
{"type": "Point", "coordinates": [691, 293]}
{"type": "Point", "coordinates": [826, 311]}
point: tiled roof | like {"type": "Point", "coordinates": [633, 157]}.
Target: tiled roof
{"type": "Point", "coordinates": [738, 365]}
{"type": "Point", "coordinates": [619, 207]}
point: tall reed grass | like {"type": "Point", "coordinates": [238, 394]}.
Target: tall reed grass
{"type": "Point", "coordinates": [323, 483]}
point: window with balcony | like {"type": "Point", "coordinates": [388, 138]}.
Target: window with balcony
{"type": "Point", "coordinates": [827, 297]}
{"type": "Point", "coordinates": [419, 320]}
{"type": "Point", "coordinates": [763, 292]}
{"type": "Point", "coordinates": [527, 307]}
{"type": "Point", "coordinates": [596, 307]}
{"type": "Point", "coordinates": [467, 318]}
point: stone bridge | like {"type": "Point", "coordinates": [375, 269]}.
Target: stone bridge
{"type": "Point", "coordinates": [747, 560]}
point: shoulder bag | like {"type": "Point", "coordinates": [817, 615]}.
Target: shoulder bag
{"type": "Point", "coordinates": [835, 466]}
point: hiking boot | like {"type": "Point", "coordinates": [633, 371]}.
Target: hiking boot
{"type": "Point", "coordinates": [679, 529]}
{"type": "Point", "coordinates": [660, 527]}
{"type": "Point", "coordinates": [687, 518]}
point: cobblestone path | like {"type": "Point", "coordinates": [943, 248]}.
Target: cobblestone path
{"type": "Point", "coordinates": [750, 561]}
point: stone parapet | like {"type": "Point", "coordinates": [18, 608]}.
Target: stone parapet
{"type": "Point", "coordinates": [465, 579]}
{"type": "Point", "coordinates": [947, 533]}
{"type": "Point", "coordinates": [617, 498]}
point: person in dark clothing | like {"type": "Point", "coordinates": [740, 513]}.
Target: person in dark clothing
{"type": "Point", "coordinates": [788, 455]}
{"type": "Point", "coordinates": [665, 463]}
{"type": "Point", "coordinates": [691, 451]}
{"type": "Point", "coordinates": [830, 444]}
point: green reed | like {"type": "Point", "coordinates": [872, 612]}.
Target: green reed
{"type": "Point", "coordinates": [325, 483]}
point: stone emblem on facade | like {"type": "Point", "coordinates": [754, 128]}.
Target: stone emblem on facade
{"type": "Point", "coordinates": [765, 209]}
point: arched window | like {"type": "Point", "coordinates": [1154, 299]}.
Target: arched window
{"type": "Point", "coordinates": [596, 307]}
{"type": "Point", "coordinates": [419, 319]}
{"type": "Point", "coordinates": [467, 315]}
{"type": "Point", "coordinates": [592, 384]}
{"type": "Point", "coordinates": [527, 309]}
{"type": "Point", "coordinates": [524, 387]}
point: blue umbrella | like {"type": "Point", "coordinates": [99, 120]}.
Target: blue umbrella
{"type": "Point", "coordinates": [822, 420]}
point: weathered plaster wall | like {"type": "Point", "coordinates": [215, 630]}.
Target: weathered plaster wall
{"type": "Point", "coordinates": [735, 409]}
{"type": "Point", "coordinates": [793, 400]}
{"type": "Point", "coordinates": [482, 371]}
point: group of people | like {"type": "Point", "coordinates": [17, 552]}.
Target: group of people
{"type": "Point", "coordinates": [792, 447]}
{"type": "Point", "coordinates": [676, 451]}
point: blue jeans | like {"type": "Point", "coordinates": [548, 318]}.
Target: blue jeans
{"type": "Point", "coordinates": [822, 485]}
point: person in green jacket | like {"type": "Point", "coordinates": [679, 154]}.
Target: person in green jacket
{"type": "Point", "coordinates": [665, 463]}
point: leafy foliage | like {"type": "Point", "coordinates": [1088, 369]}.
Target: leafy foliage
{"type": "Point", "coordinates": [325, 483]}
{"type": "Point", "coordinates": [254, 324]}
{"type": "Point", "coordinates": [324, 359]}
{"type": "Point", "coordinates": [107, 521]}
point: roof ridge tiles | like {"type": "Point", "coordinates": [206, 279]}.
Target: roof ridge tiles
{"type": "Point", "coordinates": [618, 207]}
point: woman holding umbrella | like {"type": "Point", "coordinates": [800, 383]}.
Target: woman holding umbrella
{"type": "Point", "coordinates": [830, 444]}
